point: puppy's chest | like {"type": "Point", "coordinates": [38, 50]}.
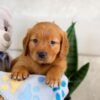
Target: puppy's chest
{"type": "Point", "coordinates": [40, 69]}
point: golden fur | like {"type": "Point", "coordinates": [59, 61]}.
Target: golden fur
{"type": "Point", "coordinates": [49, 38]}
{"type": "Point", "coordinates": [1, 98]}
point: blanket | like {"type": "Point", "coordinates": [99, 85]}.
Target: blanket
{"type": "Point", "coordinates": [33, 88]}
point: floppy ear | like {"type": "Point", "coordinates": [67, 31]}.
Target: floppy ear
{"type": "Point", "coordinates": [26, 42]}
{"type": "Point", "coordinates": [64, 45]}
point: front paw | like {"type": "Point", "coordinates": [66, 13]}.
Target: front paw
{"type": "Point", "coordinates": [20, 74]}
{"type": "Point", "coordinates": [53, 80]}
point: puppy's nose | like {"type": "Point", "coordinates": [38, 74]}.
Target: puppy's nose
{"type": "Point", "coordinates": [42, 54]}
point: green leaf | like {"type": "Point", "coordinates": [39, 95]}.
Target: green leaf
{"type": "Point", "coordinates": [77, 78]}
{"type": "Point", "coordinates": [72, 55]}
{"type": "Point", "coordinates": [70, 29]}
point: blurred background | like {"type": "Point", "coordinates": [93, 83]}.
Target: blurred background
{"type": "Point", "coordinates": [86, 14]}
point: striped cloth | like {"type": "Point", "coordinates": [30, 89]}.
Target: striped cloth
{"type": "Point", "coordinates": [5, 62]}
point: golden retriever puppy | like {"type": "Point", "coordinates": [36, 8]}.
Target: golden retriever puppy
{"type": "Point", "coordinates": [45, 50]}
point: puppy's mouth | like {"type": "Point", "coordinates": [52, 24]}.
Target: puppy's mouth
{"type": "Point", "coordinates": [45, 61]}
{"type": "Point", "coordinates": [39, 60]}
{"type": "Point", "coordinates": [42, 60]}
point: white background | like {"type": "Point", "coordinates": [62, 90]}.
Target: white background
{"type": "Point", "coordinates": [85, 12]}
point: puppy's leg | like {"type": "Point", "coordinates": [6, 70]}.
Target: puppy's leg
{"type": "Point", "coordinates": [19, 73]}
{"type": "Point", "coordinates": [14, 61]}
{"type": "Point", "coordinates": [53, 77]}
{"type": "Point", "coordinates": [1, 98]}
{"type": "Point", "coordinates": [20, 70]}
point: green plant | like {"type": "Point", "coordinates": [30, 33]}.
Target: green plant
{"type": "Point", "coordinates": [75, 76]}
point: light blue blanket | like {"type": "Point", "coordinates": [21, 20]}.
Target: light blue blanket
{"type": "Point", "coordinates": [33, 88]}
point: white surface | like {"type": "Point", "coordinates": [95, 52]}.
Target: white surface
{"type": "Point", "coordinates": [86, 12]}
{"type": "Point", "coordinates": [90, 87]}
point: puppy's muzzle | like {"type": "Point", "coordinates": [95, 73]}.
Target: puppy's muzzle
{"type": "Point", "coordinates": [42, 54]}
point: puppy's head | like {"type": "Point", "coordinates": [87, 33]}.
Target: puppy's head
{"type": "Point", "coordinates": [45, 42]}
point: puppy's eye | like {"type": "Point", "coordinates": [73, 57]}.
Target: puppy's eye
{"type": "Point", "coordinates": [35, 40]}
{"type": "Point", "coordinates": [52, 42]}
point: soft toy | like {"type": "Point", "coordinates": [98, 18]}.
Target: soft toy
{"type": "Point", "coordinates": [5, 38]}
{"type": "Point", "coordinates": [33, 88]}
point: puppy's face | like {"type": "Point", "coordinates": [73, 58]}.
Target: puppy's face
{"type": "Point", "coordinates": [43, 42]}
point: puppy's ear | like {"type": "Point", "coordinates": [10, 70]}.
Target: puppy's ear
{"type": "Point", "coordinates": [64, 46]}
{"type": "Point", "coordinates": [26, 42]}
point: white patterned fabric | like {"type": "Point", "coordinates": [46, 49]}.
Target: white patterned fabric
{"type": "Point", "coordinates": [33, 88]}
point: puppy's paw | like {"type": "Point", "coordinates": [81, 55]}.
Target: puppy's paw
{"type": "Point", "coordinates": [53, 80]}
{"type": "Point", "coordinates": [19, 74]}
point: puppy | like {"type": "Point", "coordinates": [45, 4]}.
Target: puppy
{"type": "Point", "coordinates": [45, 50]}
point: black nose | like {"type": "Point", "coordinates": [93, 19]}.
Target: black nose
{"type": "Point", "coordinates": [42, 54]}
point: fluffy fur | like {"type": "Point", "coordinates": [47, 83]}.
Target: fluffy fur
{"type": "Point", "coordinates": [52, 41]}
